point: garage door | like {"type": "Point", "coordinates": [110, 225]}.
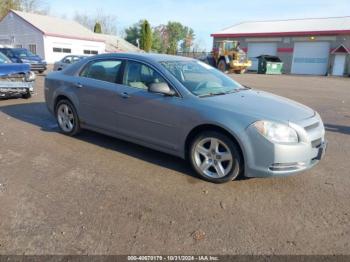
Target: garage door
{"type": "Point", "coordinates": [257, 49]}
{"type": "Point", "coordinates": [310, 58]}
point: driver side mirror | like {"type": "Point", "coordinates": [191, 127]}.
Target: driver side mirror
{"type": "Point", "coordinates": [161, 88]}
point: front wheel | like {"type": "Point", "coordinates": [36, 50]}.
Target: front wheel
{"type": "Point", "coordinates": [67, 118]}
{"type": "Point", "coordinates": [216, 157]}
{"type": "Point", "coordinates": [27, 95]}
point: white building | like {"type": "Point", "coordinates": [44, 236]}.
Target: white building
{"type": "Point", "coordinates": [53, 38]}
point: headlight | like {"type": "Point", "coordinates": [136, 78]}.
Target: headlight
{"type": "Point", "coordinates": [30, 76]}
{"type": "Point", "coordinates": [275, 132]}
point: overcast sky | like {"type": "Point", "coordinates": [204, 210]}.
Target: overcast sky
{"type": "Point", "coordinates": [204, 16]}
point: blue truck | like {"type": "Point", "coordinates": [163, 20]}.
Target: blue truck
{"type": "Point", "coordinates": [16, 79]}
{"type": "Point", "coordinates": [22, 55]}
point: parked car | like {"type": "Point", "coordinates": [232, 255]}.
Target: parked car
{"type": "Point", "coordinates": [66, 61]}
{"type": "Point", "coordinates": [187, 108]}
{"type": "Point", "coordinates": [22, 55]}
{"type": "Point", "coordinates": [15, 79]}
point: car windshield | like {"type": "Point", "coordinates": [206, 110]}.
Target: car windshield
{"type": "Point", "coordinates": [4, 59]}
{"type": "Point", "coordinates": [23, 53]}
{"type": "Point", "coordinates": [201, 79]}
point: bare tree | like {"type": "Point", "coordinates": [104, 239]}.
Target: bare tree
{"type": "Point", "coordinates": [108, 22]}
{"type": "Point", "coordinates": [35, 6]}
{"type": "Point", "coordinates": [32, 6]}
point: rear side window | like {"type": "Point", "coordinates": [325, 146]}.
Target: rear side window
{"type": "Point", "coordinates": [104, 70]}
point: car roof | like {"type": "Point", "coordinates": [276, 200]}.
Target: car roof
{"type": "Point", "coordinates": [149, 57]}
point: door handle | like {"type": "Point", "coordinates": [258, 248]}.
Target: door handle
{"type": "Point", "coordinates": [124, 95]}
{"type": "Point", "coordinates": [78, 85]}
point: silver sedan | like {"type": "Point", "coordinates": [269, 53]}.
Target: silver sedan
{"type": "Point", "coordinates": [66, 61]}
{"type": "Point", "coordinates": [186, 108]}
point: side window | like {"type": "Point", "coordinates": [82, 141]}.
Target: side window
{"type": "Point", "coordinates": [140, 76]}
{"type": "Point", "coordinates": [67, 60]}
{"type": "Point", "coordinates": [104, 70]}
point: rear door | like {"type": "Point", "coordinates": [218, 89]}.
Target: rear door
{"type": "Point", "coordinates": [97, 89]}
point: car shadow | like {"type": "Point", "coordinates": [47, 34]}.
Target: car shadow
{"type": "Point", "coordinates": [338, 129]}
{"type": "Point", "coordinates": [38, 115]}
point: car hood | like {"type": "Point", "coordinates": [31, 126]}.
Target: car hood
{"type": "Point", "coordinates": [12, 68]}
{"type": "Point", "coordinates": [262, 105]}
{"type": "Point", "coordinates": [32, 58]}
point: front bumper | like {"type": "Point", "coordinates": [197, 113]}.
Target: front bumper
{"type": "Point", "coordinates": [267, 159]}
{"type": "Point", "coordinates": [9, 88]}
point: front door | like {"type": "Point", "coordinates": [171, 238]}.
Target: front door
{"type": "Point", "coordinates": [339, 65]}
{"type": "Point", "coordinates": [148, 117]}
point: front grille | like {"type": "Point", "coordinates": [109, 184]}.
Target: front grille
{"type": "Point", "coordinates": [316, 143]}
{"type": "Point", "coordinates": [314, 130]}
{"type": "Point", "coordinates": [312, 126]}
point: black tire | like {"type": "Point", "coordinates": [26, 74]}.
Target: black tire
{"type": "Point", "coordinates": [27, 95]}
{"type": "Point", "coordinates": [236, 169]}
{"type": "Point", "coordinates": [41, 71]}
{"type": "Point", "coordinates": [222, 66]}
{"type": "Point", "coordinates": [76, 123]}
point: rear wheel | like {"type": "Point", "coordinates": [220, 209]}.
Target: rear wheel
{"type": "Point", "coordinates": [222, 66]}
{"type": "Point", "coordinates": [215, 157]}
{"type": "Point", "coordinates": [67, 118]}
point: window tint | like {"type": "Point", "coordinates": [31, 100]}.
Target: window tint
{"type": "Point", "coordinates": [104, 70]}
{"type": "Point", "coordinates": [140, 76]}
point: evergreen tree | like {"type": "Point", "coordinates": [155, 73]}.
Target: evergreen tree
{"type": "Point", "coordinates": [97, 28]}
{"type": "Point", "coordinates": [146, 36]}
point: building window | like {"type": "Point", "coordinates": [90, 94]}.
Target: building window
{"type": "Point", "coordinates": [62, 50]}
{"type": "Point", "coordinates": [90, 52]}
{"type": "Point", "coordinates": [67, 50]}
{"type": "Point", "coordinates": [18, 46]}
{"type": "Point", "coordinates": [32, 48]}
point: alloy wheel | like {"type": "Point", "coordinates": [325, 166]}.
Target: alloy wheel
{"type": "Point", "coordinates": [213, 157]}
{"type": "Point", "coordinates": [65, 118]}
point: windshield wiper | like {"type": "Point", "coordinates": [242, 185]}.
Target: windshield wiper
{"type": "Point", "coordinates": [225, 93]}
{"type": "Point", "coordinates": [216, 94]}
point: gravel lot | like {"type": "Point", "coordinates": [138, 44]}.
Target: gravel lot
{"type": "Point", "coordinates": [97, 195]}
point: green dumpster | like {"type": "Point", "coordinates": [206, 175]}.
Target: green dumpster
{"type": "Point", "coordinates": [270, 65]}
